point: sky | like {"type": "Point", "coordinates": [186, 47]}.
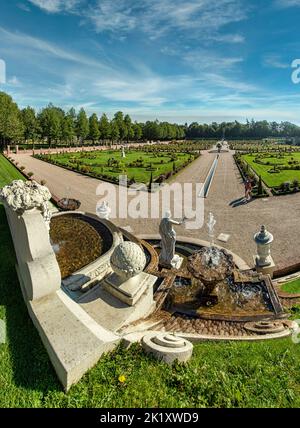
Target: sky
{"type": "Point", "coordinates": [175, 60]}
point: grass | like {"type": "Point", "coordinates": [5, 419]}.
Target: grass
{"type": "Point", "coordinates": [8, 172]}
{"type": "Point", "coordinates": [265, 374]}
{"type": "Point", "coordinates": [97, 163]}
{"type": "Point", "coordinates": [292, 287]}
{"type": "Point", "coordinates": [274, 179]}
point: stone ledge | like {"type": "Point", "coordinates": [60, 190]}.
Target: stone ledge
{"type": "Point", "coordinates": [73, 340]}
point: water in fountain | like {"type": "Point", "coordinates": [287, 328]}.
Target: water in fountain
{"type": "Point", "coordinates": [211, 256]}
{"type": "Point", "coordinates": [212, 290]}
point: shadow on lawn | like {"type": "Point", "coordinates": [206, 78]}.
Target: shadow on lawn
{"type": "Point", "coordinates": [29, 361]}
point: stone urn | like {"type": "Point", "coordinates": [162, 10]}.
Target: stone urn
{"type": "Point", "coordinates": [263, 240]}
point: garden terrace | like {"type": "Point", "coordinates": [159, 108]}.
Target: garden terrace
{"type": "Point", "coordinates": [140, 166]}
{"type": "Point", "coordinates": [278, 170]}
{"type": "Point", "coordinates": [259, 146]}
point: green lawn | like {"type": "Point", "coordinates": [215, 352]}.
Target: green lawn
{"type": "Point", "coordinates": [8, 172]}
{"type": "Point", "coordinates": [263, 374]}
{"type": "Point", "coordinates": [292, 287]}
{"type": "Point", "coordinates": [96, 163]}
{"type": "Point", "coordinates": [274, 179]}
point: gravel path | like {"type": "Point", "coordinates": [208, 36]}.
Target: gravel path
{"type": "Point", "coordinates": [280, 214]}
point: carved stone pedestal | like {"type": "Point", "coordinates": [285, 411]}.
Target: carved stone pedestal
{"type": "Point", "coordinates": [130, 291]}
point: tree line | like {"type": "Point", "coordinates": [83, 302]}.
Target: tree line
{"type": "Point", "coordinates": [249, 130]}
{"type": "Point", "coordinates": [53, 125]}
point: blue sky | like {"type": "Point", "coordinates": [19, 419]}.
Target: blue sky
{"type": "Point", "coordinates": [203, 60]}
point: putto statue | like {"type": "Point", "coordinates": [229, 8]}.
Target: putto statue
{"type": "Point", "coordinates": [21, 196]}
{"type": "Point", "coordinates": [167, 257]}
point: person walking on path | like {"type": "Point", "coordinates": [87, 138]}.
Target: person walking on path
{"type": "Point", "coordinates": [248, 190]}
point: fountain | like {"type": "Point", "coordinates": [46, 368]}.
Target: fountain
{"type": "Point", "coordinates": [92, 285]}
{"type": "Point", "coordinates": [210, 265]}
{"type": "Point", "coordinates": [213, 287]}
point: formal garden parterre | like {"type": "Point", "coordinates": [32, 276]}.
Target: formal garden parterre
{"type": "Point", "coordinates": [279, 169]}
{"type": "Point", "coordinates": [144, 165]}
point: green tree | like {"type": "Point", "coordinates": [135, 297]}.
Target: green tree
{"type": "Point", "coordinates": [150, 182]}
{"type": "Point", "coordinates": [82, 125]}
{"type": "Point", "coordinates": [260, 190]}
{"type": "Point", "coordinates": [119, 120]}
{"type": "Point", "coordinates": [30, 124]}
{"type": "Point", "coordinates": [11, 127]}
{"type": "Point", "coordinates": [51, 121]}
{"type": "Point", "coordinates": [104, 128]}
{"type": "Point", "coordinates": [129, 129]}
{"type": "Point", "coordinates": [114, 132]}
{"type": "Point", "coordinates": [68, 127]}
{"type": "Point", "coordinates": [138, 131]}
{"type": "Point", "coordinates": [151, 131]}
{"type": "Point", "coordinates": [94, 128]}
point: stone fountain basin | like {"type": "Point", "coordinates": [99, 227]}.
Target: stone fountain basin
{"type": "Point", "coordinates": [210, 274]}
{"type": "Point", "coordinates": [96, 269]}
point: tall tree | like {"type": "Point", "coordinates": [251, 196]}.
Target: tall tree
{"type": "Point", "coordinates": [82, 125]}
{"type": "Point", "coordinates": [11, 127]}
{"type": "Point", "coordinates": [104, 128]}
{"type": "Point", "coordinates": [129, 130]}
{"type": "Point", "coordinates": [68, 127]}
{"type": "Point", "coordinates": [30, 124]}
{"type": "Point", "coordinates": [114, 131]}
{"type": "Point", "coordinates": [151, 131]}
{"type": "Point", "coordinates": [51, 120]}
{"type": "Point", "coordinates": [138, 131]}
{"type": "Point", "coordinates": [119, 120]}
{"type": "Point", "coordinates": [94, 128]}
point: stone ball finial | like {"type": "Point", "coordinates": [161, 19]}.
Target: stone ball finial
{"type": "Point", "coordinates": [128, 260]}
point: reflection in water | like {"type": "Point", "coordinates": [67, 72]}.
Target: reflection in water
{"type": "Point", "coordinates": [75, 243]}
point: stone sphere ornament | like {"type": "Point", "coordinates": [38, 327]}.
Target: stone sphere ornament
{"type": "Point", "coordinates": [128, 260]}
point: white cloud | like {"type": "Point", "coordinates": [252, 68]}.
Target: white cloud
{"type": "Point", "coordinates": [26, 41]}
{"type": "Point", "coordinates": [55, 6]}
{"type": "Point", "coordinates": [203, 60]}
{"type": "Point", "coordinates": [275, 61]}
{"type": "Point", "coordinates": [14, 81]}
{"type": "Point", "coordinates": [287, 3]}
{"type": "Point", "coordinates": [23, 7]}
{"type": "Point", "coordinates": [196, 18]}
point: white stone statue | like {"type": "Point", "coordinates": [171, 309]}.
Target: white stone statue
{"type": "Point", "coordinates": [167, 256]}
{"type": "Point", "coordinates": [123, 152]}
{"type": "Point", "coordinates": [21, 196]}
{"type": "Point", "coordinates": [104, 211]}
